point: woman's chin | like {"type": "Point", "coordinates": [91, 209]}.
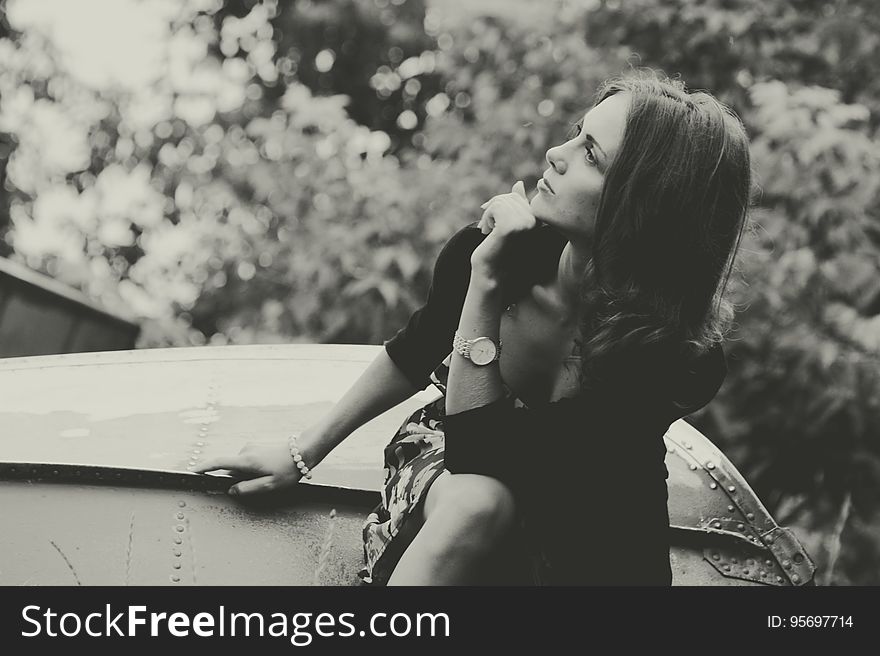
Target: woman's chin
{"type": "Point", "coordinates": [539, 210]}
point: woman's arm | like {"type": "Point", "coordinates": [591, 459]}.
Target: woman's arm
{"type": "Point", "coordinates": [484, 435]}
{"type": "Point", "coordinates": [469, 385]}
{"type": "Point", "coordinates": [380, 387]}
{"type": "Point", "coordinates": [401, 369]}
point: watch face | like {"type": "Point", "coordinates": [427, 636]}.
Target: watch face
{"type": "Point", "coordinates": [482, 351]}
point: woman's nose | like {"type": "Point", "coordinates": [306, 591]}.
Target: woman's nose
{"type": "Point", "coordinates": [555, 160]}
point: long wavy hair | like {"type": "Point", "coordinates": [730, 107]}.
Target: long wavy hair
{"type": "Point", "coordinates": [669, 222]}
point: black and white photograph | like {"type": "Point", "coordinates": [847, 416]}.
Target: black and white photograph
{"type": "Point", "coordinates": [495, 294]}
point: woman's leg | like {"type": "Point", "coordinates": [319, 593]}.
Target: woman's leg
{"type": "Point", "coordinates": [466, 517]}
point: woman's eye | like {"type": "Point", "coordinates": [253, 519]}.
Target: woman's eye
{"type": "Point", "coordinates": [590, 157]}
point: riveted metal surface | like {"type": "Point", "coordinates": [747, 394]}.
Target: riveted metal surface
{"type": "Point", "coordinates": [153, 409]}
{"type": "Point", "coordinates": [118, 431]}
{"type": "Point", "coordinates": [729, 508]}
{"type": "Point", "coordinates": [135, 538]}
{"type": "Point", "coordinates": [795, 562]}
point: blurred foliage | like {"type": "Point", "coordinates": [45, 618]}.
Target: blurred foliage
{"type": "Point", "coordinates": [727, 45]}
{"type": "Point", "coordinates": [292, 171]}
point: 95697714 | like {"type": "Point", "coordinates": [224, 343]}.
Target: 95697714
{"type": "Point", "coordinates": [809, 621]}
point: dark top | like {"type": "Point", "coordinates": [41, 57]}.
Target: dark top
{"type": "Point", "coordinates": [588, 472]}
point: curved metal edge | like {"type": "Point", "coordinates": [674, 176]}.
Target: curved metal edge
{"type": "Point", "coordinates": [362, 353]}
{"type": "Point", "coordinates": [175, 480]}
{"type": "Point", "coordinates": [731, 555]}
{"type": "Point", "coordinates": [792, 563]}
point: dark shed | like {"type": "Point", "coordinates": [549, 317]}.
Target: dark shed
{"type": "Point", "coordinates": [41, 316]}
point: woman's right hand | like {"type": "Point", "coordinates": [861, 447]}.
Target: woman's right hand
{"type": "Point", "coordinates": [266, 467]}
{"type": "Point", "coordinates": [506, 218]}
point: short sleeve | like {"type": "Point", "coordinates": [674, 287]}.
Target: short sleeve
{"type": "Point", "coordinates": [426, 339]}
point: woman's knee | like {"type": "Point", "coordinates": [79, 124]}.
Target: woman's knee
{"type": "Point", "coordinates": [476, 503]}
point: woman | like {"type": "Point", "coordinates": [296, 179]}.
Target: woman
{"type": "Point", "coordinates": [650, 197]}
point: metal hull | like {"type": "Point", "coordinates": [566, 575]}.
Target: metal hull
{"type": "Point", "coordinates": [95, 489]}
{"type": "Point", "coordinates": [100, 526]}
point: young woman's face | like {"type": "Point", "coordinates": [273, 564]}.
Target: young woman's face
{"type": "Point", "coordinates": [568, 194]}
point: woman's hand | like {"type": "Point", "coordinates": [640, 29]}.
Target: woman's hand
{"type": "Point", "coordinates": [504, 217]}
{"type": "Point", "coordinates": [267, 467]}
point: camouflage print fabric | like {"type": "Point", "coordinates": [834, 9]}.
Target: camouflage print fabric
{"type": "Point", "coordinates": [413, 459]}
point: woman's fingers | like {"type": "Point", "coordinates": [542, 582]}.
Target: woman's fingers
{"type": "Point", "coordinates": [255, 486]}
{"type": "Point", "coordinates": [268, 467]}
{"type": "Point", "coordinates": [508, 212]}
{"type": "Point", "coordinates": [513, 214]}
{"type": "Point", "coordinates": [239, 463]}
{"type": "Point", "coordinates": [220, 462]}
{"type": "Point", "coordinates": [487, 221]}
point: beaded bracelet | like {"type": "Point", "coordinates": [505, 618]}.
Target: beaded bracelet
{"type": "Point", "coordinates": [297, 457]}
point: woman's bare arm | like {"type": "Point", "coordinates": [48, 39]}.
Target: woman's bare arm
{"type": "Point", "coordinates": [380, 387]}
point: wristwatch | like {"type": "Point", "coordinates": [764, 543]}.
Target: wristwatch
{"type": "Point", "coordinates": [481, 351]}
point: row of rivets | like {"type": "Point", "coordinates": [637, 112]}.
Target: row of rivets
{"type": "Point", "coordinates": [789, 555]}
{"type": "Point", "coordinates": [176, 551]}
{"type": "Point", "coordinates": [210, 415]}
{"type": "Point", "coordinates": [751, 568]}
{"type": "Point", "coordinates": [713, 485]}
{"type": "Point", "coordinates": [711, 467]}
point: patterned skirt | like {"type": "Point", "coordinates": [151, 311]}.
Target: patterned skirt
{"type": "Point", "coordinates": [413, 460]}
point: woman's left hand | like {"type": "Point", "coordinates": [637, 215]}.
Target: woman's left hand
{"type": "Point", "coordinates": [505, 215]}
